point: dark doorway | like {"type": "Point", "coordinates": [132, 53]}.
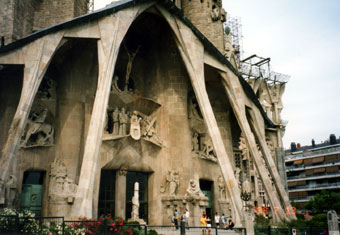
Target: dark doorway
{"type": "Point", "coordinates": [207, 189]}
{"type": "Point", "coordinates": [106, 203]}
{"type": "Point", "coordinates": [142, 179]}
{"type": "Point", "coordinates": [32, 191]}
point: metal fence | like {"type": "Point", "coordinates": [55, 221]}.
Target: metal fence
{"type": "Point", "coordinates": [14, 224]}
{"type": "Point", "coordinates": [140, 229]}
{"type": "Point", "coordinates": [289, 231]}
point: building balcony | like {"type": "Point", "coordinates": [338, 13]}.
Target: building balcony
{"type": "Point", "coordinates": [313, 177]}
{"type": "Point", "coordinates": [334, 149]}
{"type": "Point", "coordinates": [301, 199]}
{"type": "Point", "coordinates": [301, 168]}
{"type": "Point", "coordinates": [315, 187]}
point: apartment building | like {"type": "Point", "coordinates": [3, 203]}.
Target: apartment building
{"type": "Point", "coordinates": [311, 169]}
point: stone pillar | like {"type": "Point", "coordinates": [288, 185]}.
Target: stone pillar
{"type": "Point", "coordinates": [120, 193]}
{"type": "Point", "coordinates": [192, 52]}
{"type": "Point", "coordinates": [232, 87]}
{"type": "Point", "coordinates": [281, 166]}
{"type": "Point", "coordinates": [112, 30]}
{"type": "Point", "coordinates": [278, 183]}
{"type": "Point", "coordinates": [36, 57]}
{"type": "Point", "coordinates": [333, 224]}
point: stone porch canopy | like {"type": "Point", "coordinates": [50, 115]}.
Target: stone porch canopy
{"type": "Point", "coordinates": [120, 5]}
{"type": "Point", "coordinates": [109, 26]}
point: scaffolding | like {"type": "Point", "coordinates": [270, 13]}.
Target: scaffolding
{"type": "Point", "coordinates": [256, 67]}
{"type": "Point", "coordinates": [235, 26]}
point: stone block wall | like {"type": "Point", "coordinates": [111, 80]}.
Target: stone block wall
{"type": "Point", "coordinates": [6, 19]}
{"type": "Point", "coordinates": [51, 12]}
{"type": "Point", "coordinates": [19, 18]}
{"type": "Point", "coordinates": [199, 13]}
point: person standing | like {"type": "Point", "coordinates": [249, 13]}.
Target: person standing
{"type": "Point", "coordinates": [187, 216]}
{"type": "Point", "coordinates": [176, 215]}
{"type": "Point", "coordinates": [217, 220]}
{"type": "Point", "coordinates": [209, 225]}
{"type": "Point", "coordinates": [203, 222]}
{"type": "Point", "coordinates": [223, 220]}
{"type": "Point", "coordinates": [183, 219]}
{"type": "Point", "coordinates": [173, 221]}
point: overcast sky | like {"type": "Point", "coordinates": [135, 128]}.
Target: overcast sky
{"type": "Point", "coordinates": [302, 38]}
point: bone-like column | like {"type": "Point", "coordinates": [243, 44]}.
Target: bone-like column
{"type": "Point", "coordinates": [273, 170]}
{"type": "Point", "coordinates": [233, 90]}
{"type": "Point", "coordinates": [112, 29]}
{"type": "Point", "coordinates": [36, 58]}
{"type": "Point", "coordinates": [192, 52]}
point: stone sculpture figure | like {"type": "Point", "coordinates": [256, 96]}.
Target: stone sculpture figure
{"type": "Point", "coordinates": [221, 187]}
{"type": "Point", "coordinates": [244, 148]}
{"type": "Point", "coordinates": [135, 126]}
{"type": "Point", "coordinates": [106, 124]}
{"type": "Point", "coordinates": [195, 142]}
{"type": "Point", "coordinates": [115, 119]}
{"type": "Point", "coordinates": [215, 13]}
{"type": "Point", "coordinates": [114, 86]}
{"type": "Point", "coordinates": [208, 149]}
{"type": "Point", "coordinates": [246, 190]}
{"type": "Point", "coordinates": [123, 120]}
{"type": "Point", "coordinates": [11, 190]}
{"type": "Point", "coordinates": [193, 190]}
{"type": "Point", "coordinates": [47, 89]}
{"type": "Point", "coordinates": [173, 180]}
{"type": "Point", "coordinates": [61, 187]}
{"type": "Point", "coordinates": [223, 15]}
{"type": "Point", "coordinates": [228, 46]}
{"type": "Point", "coordinates": [135, 203]}
{"type": "Point", "coordinates": [131, 57]}
{"type": "Point", "coordinates": [150, 131]}
{"type": "Point", "coordinates": [36, 126]}
{"type": "Point", "coordinates": [237, 176]}
{"type": "Point", "coordinates": [194, 111]}
{"type": "Point", "coordinates": [271, 147]}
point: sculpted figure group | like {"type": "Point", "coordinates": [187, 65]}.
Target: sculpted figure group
{"type": "Point", "coordinates": [37, 132]}
{"type": "Point", "coordinates": [134, 123]}
{"type": "Point", "coordinates": [61, 186]}
{"type": "Point", "coordinates": [202, 146]}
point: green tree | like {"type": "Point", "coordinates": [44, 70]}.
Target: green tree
{"type": "Point", "coordinates": [323, 202]}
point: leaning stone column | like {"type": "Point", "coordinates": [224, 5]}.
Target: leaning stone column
{"type": "Point", "coordinates": [274, 173]}
{"type": "Point", "coordinates": [36, 58]}
{"type": "Point", "coordinates": [112, 30]}
{"type": "Point", "coordinates": [120, 193]}
{"type": "Point", "coordinates": [192, 52]}
{"type": "Point", "coordinates": [231, 85]}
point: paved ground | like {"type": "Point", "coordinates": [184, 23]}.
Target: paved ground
{"type": "Point", "coordinates": [194, 231]}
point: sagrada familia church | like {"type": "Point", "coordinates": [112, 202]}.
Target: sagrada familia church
{"type": "Point", "coordinates": [140, 91]}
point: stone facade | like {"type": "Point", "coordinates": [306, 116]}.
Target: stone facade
{"type": "Point", "coordinates": [208, 16]}
{"type": "Point", "coordinates": [20, 18]}
{"type": "Point", "coordinates": [124, 108]}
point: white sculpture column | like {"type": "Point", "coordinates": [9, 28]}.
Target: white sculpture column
{"type": "Point", "coordinates": [36, 57]}
{"type": "Point", "coordinates": [112, 30]}
{"type": "Point", "coordinates": [192, 52]}
{"type": "Point", "coordinates": [120, 193]}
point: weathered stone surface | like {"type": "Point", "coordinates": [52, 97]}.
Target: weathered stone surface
{"type": "Point", "coordinates": [20, 18]}
{"type": "Point", "coordinates": [179, 127]}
